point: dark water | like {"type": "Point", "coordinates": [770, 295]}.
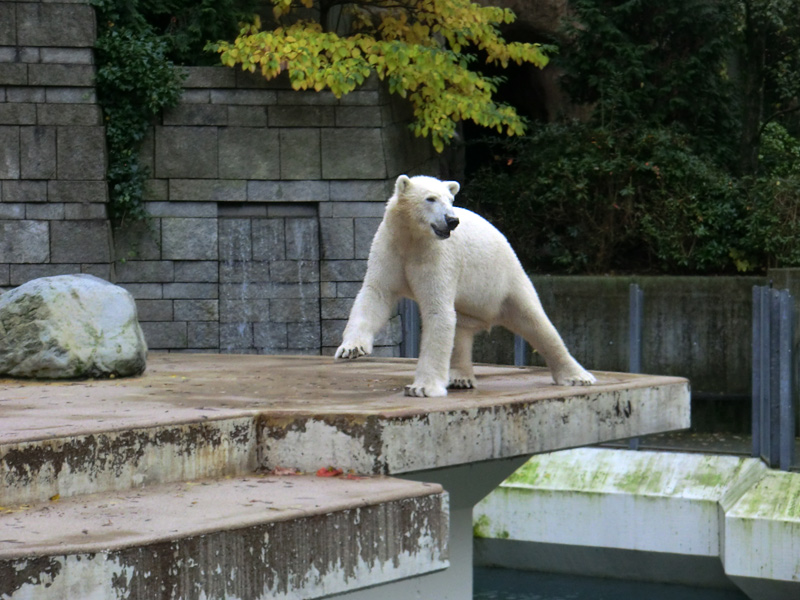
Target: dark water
{"type": "Point", "coordinates": [508, 584]}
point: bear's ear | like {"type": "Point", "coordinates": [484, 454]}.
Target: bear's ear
{"type": "Point", "coordinates": [453, 186]}
{"type": "Point", "coordinates": [401, 185]}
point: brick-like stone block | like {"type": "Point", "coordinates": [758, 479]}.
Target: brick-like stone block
{"type": "Point", "coordinates": [70, 95]}
{"type": "Point", "coordinates": [244, 272]}
{"type": "Point", "coordinates": [348, 289]}
{"type": "Point", "coordinates": [359, 209]}
{"type": "Point", "coordinates": [24, 191]}
{"type": "Point", "coordinates": [12, 211]}
{"type": "Point", "coordinates": [373, 191]}
{"type": "Point", "coordinates": [235, 240]}
{"type": "Point", "coordinates": [68, 56]}
{"type": "Point", "coordinates": [303, 336]}
{"type": "Point", "coordinates": [189, 239]}
{"type": "Point", "coordinates": [243, 97]}
{"type": "Point", "coordinates": [154, 310]}
{"type": "Point", "coordinates": [85, 211]}
{"type": "Point", "coordinates": [293, 209]}
{"type": "Point", "coordinates": [8, 24]}
{"type": "Point", "coordinates": [4, 277]}
{"type": "Point", "coordinates": [364, 233]}
{"type": "Point", "coordinates": [25, 94]}
{"type": "Point", "coordinates": [301, 116]}
{"type": "Point", "coordinates": [196, 97]}
{"type": "Point", "coordinates": [9, 152]}
{"type": "Point", "coordinates": [241, 211]}
{"type": "Point", "coordinates": [327, 289]}
{"type": "Point", "coordinates": [13, 74]}
{"type": "Point", "coordinates": [249, 153]}
{"type": "Point", "coordinates": [145, 271]}
{"type": "Point", "coordinates": [24, 241]}
{"type": "Point", "coordinates": [69, 114]}
{"type": "Point", "coordinates": [247, 116]}
{"type": "Point", "coordinates": [331, 332]}
{"type": "Point", "coordinates": [138, 241]}
{"type": "Point", "coordinates": [50, 211]}
{"type": "Point", "coordinates": [214, 190]}
{"type": "Point", "coordinates": [38, 152]}
{"type": "Point", "coordinates": [196, 114]}
{"type": "Point", "coordinates": [302, 239]}
{"type": "Point", "coordinates": [307, 98]}
{"type": "Point", "coordinates": [358, 116]}
{"type": "Point", "coordinates": [20, 274]}
{"type": "Point", "coordinates": [197, 310]}
{"type": "Point", "coordinates": [17, 113]}
{"type": "Point", "coordinates": [165, 336]}
{"type": "Point", "coordinates": [269, 239]}
{"type": "Point", "coordinates": [294, 271]}
{"type": "Point", "coordinates": [77, 191]}
{"type": "Point", "coordinates": [356, 153]}
{"type": "Point", "coordinates": [189, 152]}
{"type": "Point", "coordinates": [287, 310]}
{"type": "Point", "coordinates": [145, 291]}
{"type": "Point", "coordinates": [209, 77]}
{"type": "Point", "coordinates": [100, 270]}
{"type": "Point", "coordinates": [209, 291]}
{"type": "Point", "coordinates": [300, 154]}
{"type": "Point", "coordinates": [267, 336]}
{"type": "Point", "coordinates": [80, 241]}
{"type": "Point", "coordinates": [63, 25]}
{"type": "Point", "coordinates": [196, 271]}
{"type": "Point", "coordinates": [288, 191]}
{"type": "Point", "coordinates": [236, 310]}
{"type": "Point", "coordinates": [404, 150]}
{"type": "Point", "coordinates": [303, 291]}
{"type": "Point", "coordinates": [61, 75]}
{"type": "Point", "coordinates": [235, 336]}
{"type": "Point", "coordinates": [336, 238]}
{"type": "Point", "coordinates": [335, 308]}
{"type": "Point", "coordinates": [203, 335]}
{"type": "Point", "coordinates": [195, 210]}
{"type": "Point", "coordinates": [342, 270]}
{"type": "Point", "coordinates": [81, 153]}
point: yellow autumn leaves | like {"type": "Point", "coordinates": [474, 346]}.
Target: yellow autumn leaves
{"type": "Point", "coordinates": [416, 46]}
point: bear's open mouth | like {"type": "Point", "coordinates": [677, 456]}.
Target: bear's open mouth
{"type": "Point", "coordinates": [441, 233]}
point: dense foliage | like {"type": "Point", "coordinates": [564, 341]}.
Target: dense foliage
{"type": "Point", "coordinates": [137, 46]}
{"type": "Point", "coordinates": [417, 46]}
{"type": "Point", "coordinates": [653, 180]}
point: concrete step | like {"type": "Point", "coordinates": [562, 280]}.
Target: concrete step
{"type": "Point", "coordinates": [199, 416]}
{"type": "Point", "coordinates": [242, 537]}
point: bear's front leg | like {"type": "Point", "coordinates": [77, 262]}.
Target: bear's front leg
{"type": "Point", "coordinates": [462, 376]}
{"type": "Point", "coordinates": [370, 312]}
{"type": "Point", "coordinates": [436, 346]}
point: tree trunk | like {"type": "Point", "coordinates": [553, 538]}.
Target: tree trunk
{"type": "Point", "coordinates": [753, 96]}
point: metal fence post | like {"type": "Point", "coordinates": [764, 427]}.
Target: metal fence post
{"type": "Point", "coordinates": [520, 351]}
{"type": "Point", "coordinates": [773, 382]}
{"type": "Point", "coordinates": [635, 325]}
{"type": "Point", "coordinates": [409, 316]}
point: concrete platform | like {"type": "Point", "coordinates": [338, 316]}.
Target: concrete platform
{"type": "Point", "coordinates": [193, 417]}
{"type": "Point", "coordinates": [219, 535]}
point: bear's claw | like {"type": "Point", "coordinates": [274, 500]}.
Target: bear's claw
{"type": "Point", "coordinates": [423, 391]}
{"type": "Point", "coordinates": [462, 383]}
{"type": "Point", "coordinates": [347, 352]}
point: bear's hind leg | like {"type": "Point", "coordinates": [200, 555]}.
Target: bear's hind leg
{"type": "Point", "coordinates": [462, 375]}
{"type": "Point", "coordinates": [525, 316]}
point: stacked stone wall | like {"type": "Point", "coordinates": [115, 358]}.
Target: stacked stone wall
{"type": "Point", "coordinates": [52, 148]}
{"type": "Point", "coordinates": [263, 200]}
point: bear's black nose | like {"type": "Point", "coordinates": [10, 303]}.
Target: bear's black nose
{"type": "Point", "coordinates": [452, 222]}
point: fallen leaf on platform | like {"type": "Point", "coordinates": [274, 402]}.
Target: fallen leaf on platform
{"type": "Point", "coordinates": [329, 472]}
{"type": "Point", "coordinates": [285, 471]}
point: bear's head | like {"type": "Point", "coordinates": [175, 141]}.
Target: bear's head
{"type": "Point", "coordinates": [429, 202]}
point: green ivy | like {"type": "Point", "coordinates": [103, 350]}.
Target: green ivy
{"type": "Point", "coordinates": [135, 82]}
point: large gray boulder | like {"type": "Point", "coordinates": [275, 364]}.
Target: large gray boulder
{"type": "Point", "coordinates": [70, 326]}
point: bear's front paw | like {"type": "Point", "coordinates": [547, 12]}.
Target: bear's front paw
{"type": "Point", "coordinates": [459, 382]}
{"type": "Point", "coordinates": [351, 350]}
{"type": "Point", "coordinates": [575, 377]}
{"type": "Point", "coordinates": [425, 390]}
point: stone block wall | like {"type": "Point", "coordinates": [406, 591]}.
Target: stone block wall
{"type": "Point", "coordinates": [52, 148]}
{"type": "Point", "coordinates": [263, 199]}
{"type": "Point", "coordinates": [264, 203]}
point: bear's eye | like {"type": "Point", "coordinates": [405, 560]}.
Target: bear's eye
{"type": "Point", "coordinates": [431, 199]}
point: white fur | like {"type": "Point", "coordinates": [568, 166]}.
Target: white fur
{"type": "Point", "coordinates": [463, 284]}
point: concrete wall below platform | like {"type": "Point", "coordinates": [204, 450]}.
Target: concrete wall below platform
{"type": "Point", "coordinates": [693, 519]}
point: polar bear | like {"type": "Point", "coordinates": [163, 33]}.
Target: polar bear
{"type": "Point", "coordinates": [465, 277]}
